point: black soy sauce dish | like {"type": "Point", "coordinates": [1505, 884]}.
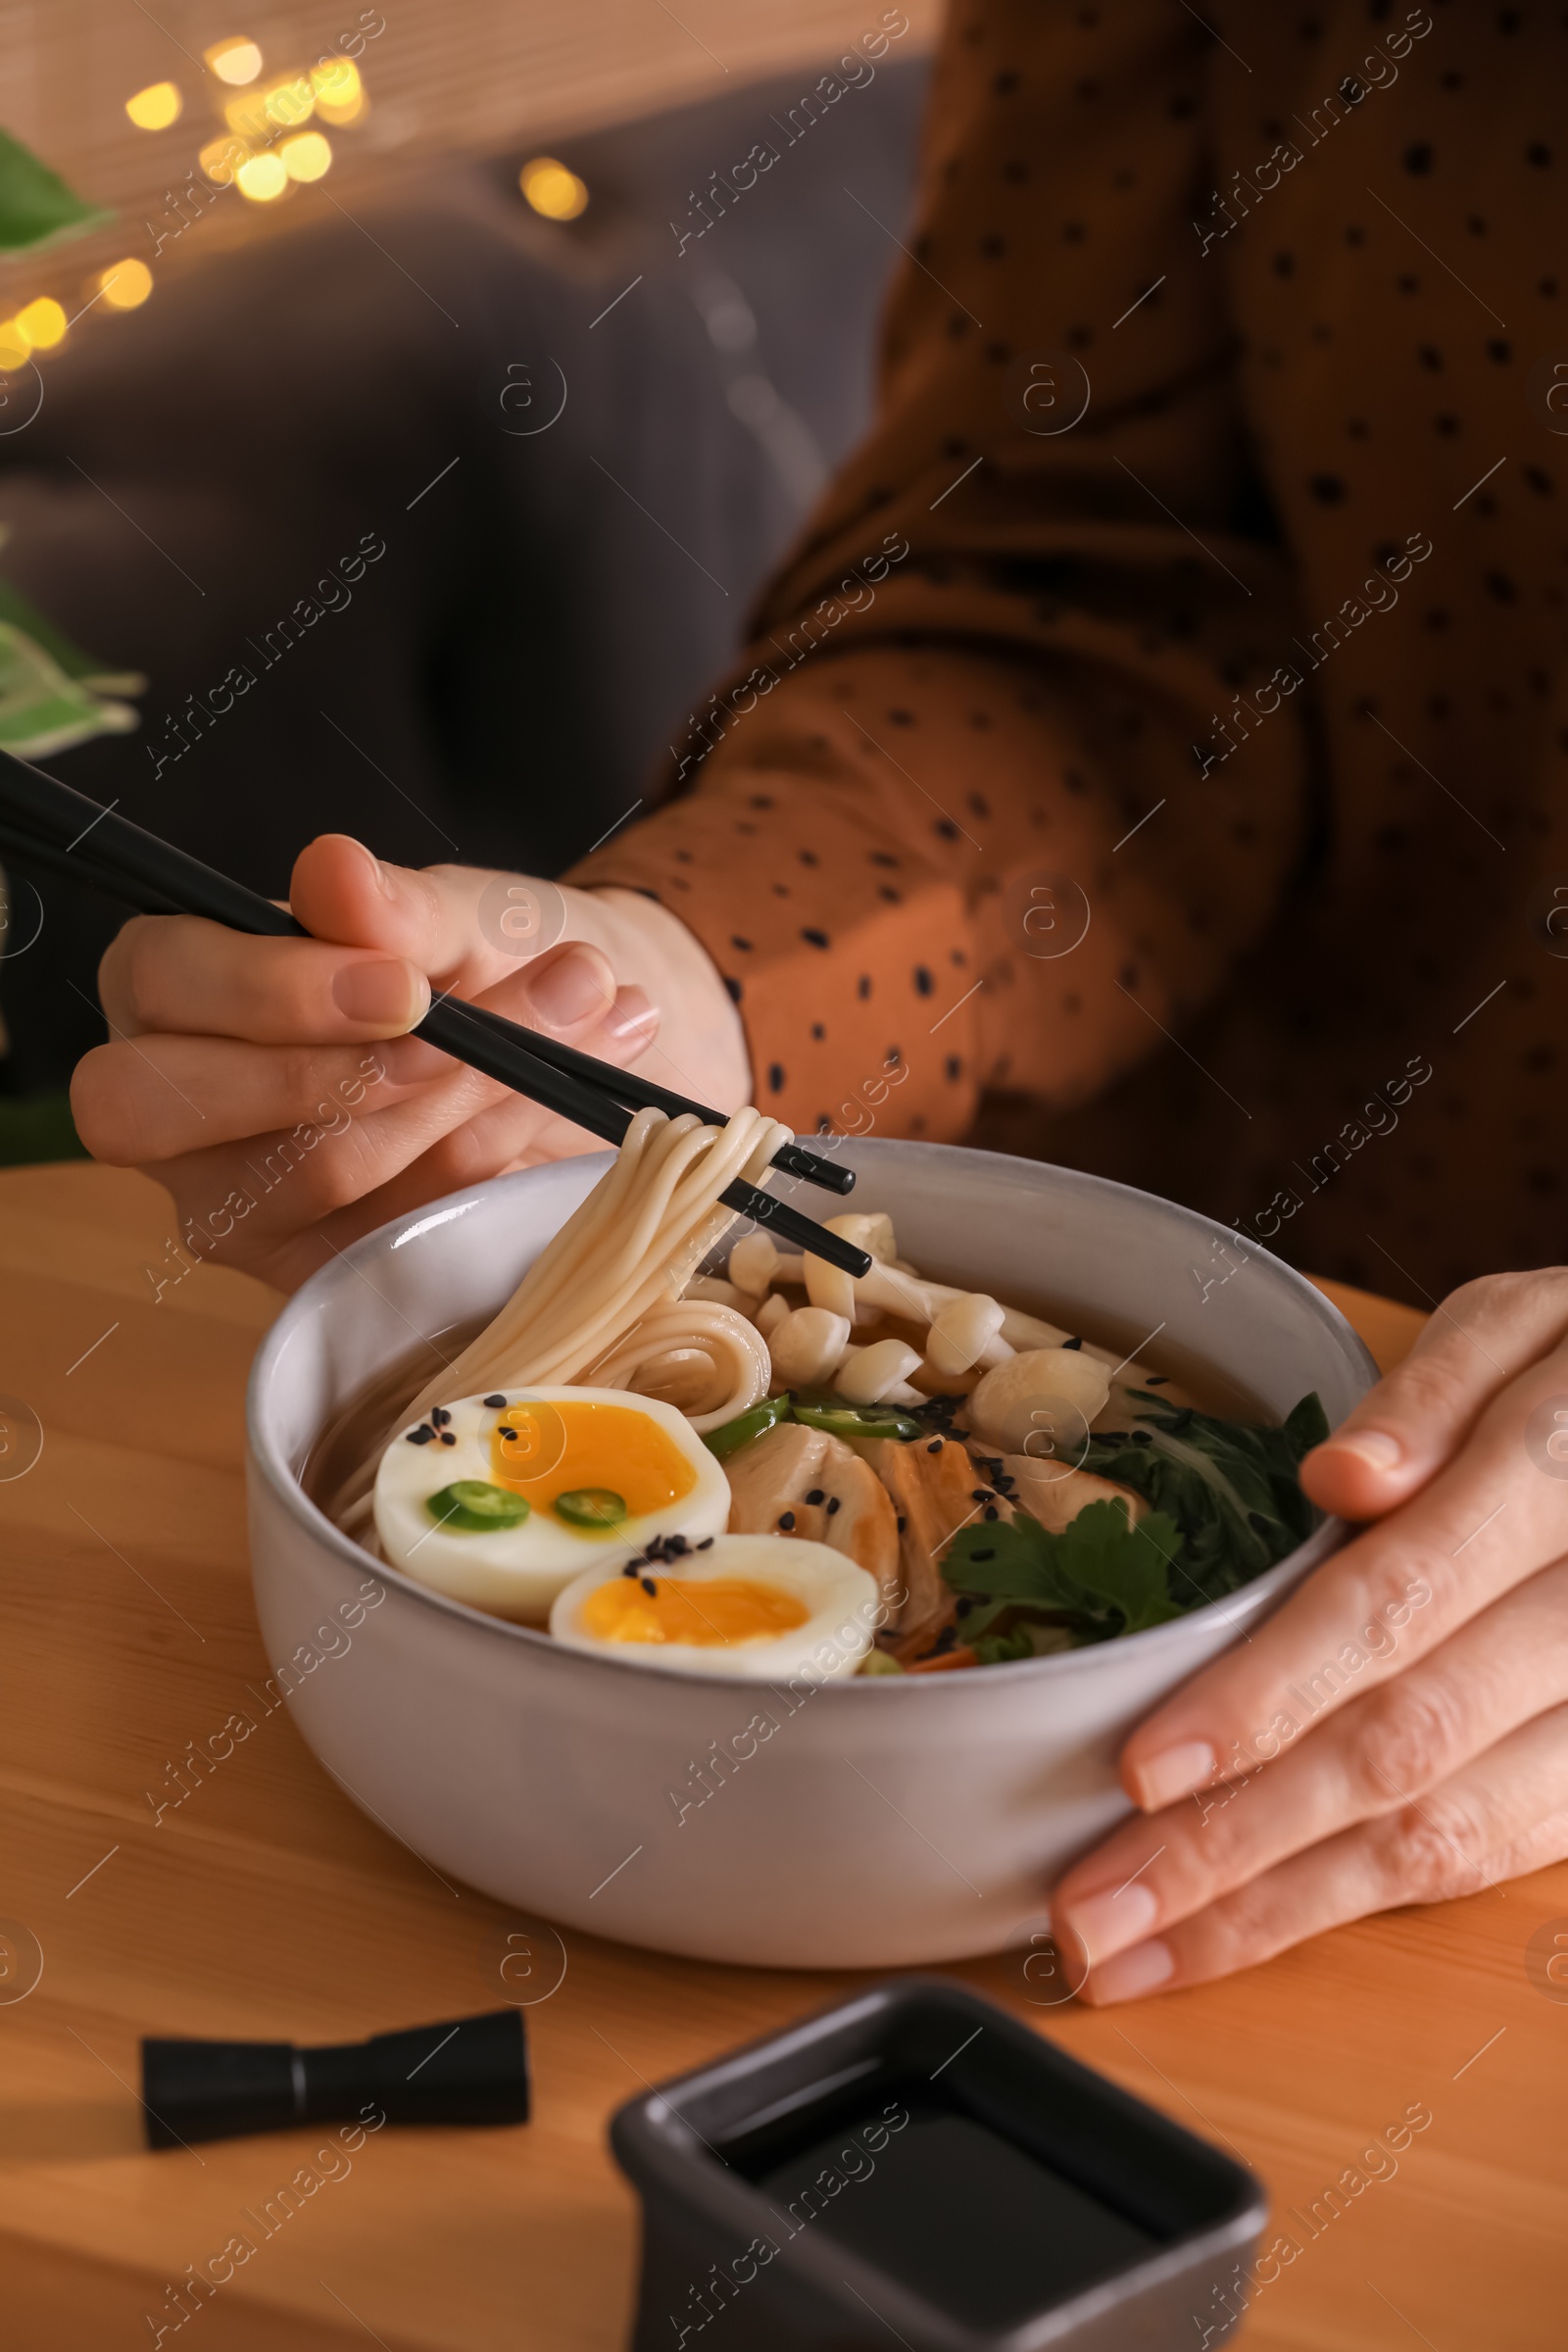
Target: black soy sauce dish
{"type": "Point", "coordinates": [916, 2161]}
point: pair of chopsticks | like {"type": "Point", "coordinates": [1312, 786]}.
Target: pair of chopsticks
{"type": "Point", "coordinates": [64, 832]}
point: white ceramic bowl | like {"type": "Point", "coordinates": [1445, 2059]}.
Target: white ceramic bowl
{"type": "Point", "coordinates": [881, 1822]}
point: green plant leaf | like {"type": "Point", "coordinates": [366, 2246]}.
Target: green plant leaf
{"type": "Point", "coordinates": [1103, 1574]}
{"type": "Point", "coordinates": [36, 208]}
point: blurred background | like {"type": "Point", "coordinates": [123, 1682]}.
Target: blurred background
{"type": "Point", "coordinates": [399, 408]}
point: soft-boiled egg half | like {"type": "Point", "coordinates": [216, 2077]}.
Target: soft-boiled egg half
{"type": "Point", "coordinates": [772, 1608]}
{"type": "Point", "coordinates": [500, 1500]}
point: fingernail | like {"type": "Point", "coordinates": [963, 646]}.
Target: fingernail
{"type": "Point", "coordinates": [1379, 1449]}
{"type": "Point", "coordinates": [380, 995]}
{"type": "Point", "coordinates": [382, 879]}
{"type": "Point", "coordinates": [1175, 1772]}
{"type": "Point", "coordinates": [1133, 1973]}
{"type": "Point", "coordinates": [1109, 1922]}
{"type": "Point", "coordinates": [568, 991]}
{"type": "Point", "coordinates": [633, 1011]}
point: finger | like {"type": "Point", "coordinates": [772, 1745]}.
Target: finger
{"type": "Point", "coordinates": [181, 973]}
{"type": "Point", "coordinates": [431, 914]}
{"type": "Point", "coordinates": [139, 1100]}
{"type": "Point", "coordinates": [251, 1202]}
{"type": "Point", "coordinates": [1474, 1532]}
{"type": "Point", "coordinates": [1381, 1750]}
{"type": "Point", "coordinates": [1505, 1814]}
{"type": "Point", "coordinates": [1412, 1422]}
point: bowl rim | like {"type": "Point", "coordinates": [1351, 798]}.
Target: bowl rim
{"type": "Point", "coordinates": [264, 1459]}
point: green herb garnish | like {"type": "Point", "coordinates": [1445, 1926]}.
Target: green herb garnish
{"type": "Point", "coordinates": [842, 1420]}
{"type": "Point", "coordinates": [1104, 1575]}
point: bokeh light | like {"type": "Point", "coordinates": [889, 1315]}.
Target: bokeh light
{"type": "Point", "coordinates": [247, 116]}
{"type": "Point", "coordinates": [308, 155]}
{"type": "Point", "coordinates": [553, 190]}
{"type": "Point", "coordinates": [15, 349]}
{"type": "Point", "coordinates": [156, 106]}
{"type": "Point", "coordinates": [261, 178]}
{"type": "Point", "coordinates": [290, 103]}
{"type": "Point", "coordinates": [220, 159]}
{"type": "Point", "coordinates": [339, 91]}
{"type": "Point", "coordinates": [43, 322]}
{"type": "Point", "coordinates": [125, 285]}
{"type": "Point", "coordinates": [236, 60]}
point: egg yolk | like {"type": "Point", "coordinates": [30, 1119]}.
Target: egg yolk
{"type": "Point", "coordinates": [542, 1450]}
{"type": "Point", "coordinates": [714, 1614]}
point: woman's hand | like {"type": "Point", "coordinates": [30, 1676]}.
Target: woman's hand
{"type": "Point", "coordinates": [269, 1083]}
{"type": "Point", "coordinates": [1398, 1732]}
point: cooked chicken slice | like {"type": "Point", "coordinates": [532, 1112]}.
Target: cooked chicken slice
{"type": "Point", "coordinates": [1055, 1498]}
{"type": "Point", "coordinates": [825, 1493]}
{"type": "Point", "coordinates": [864, 1527]}
{"type": "Point", "coordinates": [770, 1479]}
{"type": "Point", "coordinates": [933, 1484]}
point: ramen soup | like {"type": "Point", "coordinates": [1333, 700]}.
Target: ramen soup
{"type": "Point", "coordinates": [692, 1450]}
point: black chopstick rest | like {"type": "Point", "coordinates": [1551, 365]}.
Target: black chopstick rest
{"type": "Point", "coordinates": [469, 2070]}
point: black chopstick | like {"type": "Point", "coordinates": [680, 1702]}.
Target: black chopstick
{"type": "Point", "coordinates": [49, 822]}
{"type": "Point", "coordinates": [641, 1093]}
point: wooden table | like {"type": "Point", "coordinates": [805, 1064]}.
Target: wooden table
{"type": "Point", "coordinates": [266, 1906]}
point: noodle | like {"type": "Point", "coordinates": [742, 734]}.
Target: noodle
{"type": "Point", "coordinates": [624, 1255]}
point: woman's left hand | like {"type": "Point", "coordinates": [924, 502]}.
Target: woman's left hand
{"type": "Point", "coordinates": [1398, 1732]}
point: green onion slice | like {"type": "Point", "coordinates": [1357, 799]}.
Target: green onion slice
{"type": "Point", "coordinates": [473, 1506]}
{"type": "Point", "coordinates": [591, 1507]}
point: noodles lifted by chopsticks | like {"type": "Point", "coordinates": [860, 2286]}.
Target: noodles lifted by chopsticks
{"type": "Point", "coordinates": [627, 1253]}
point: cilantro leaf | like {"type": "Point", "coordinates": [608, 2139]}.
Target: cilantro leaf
{"type": "Point", "coordinates": [1104, 1575]}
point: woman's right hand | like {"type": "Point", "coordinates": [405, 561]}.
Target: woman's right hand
{"type": "Point", "coordinates": [270, 1086]}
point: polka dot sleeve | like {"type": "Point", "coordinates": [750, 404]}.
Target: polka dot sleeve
{"type": "Point", "coordinates": [945, 830]}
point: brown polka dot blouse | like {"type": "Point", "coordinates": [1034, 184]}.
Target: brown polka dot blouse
{"type": "Point", "coordinates": [1152, 756]}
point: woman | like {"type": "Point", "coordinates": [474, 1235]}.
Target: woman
{"type": "Point", "coordinates": [1149, 759]}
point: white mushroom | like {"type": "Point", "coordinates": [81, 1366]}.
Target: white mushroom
{"type": "Point", "coordinates": [773, 1311]}
{"type": "Point", "coordinates": [878, 1374]}
{"type": "Point", "coordinates": [870, 1231]}
{"type": "Point", "coordinates": [1007, 1407]}
{"type": "Point", "coordinates": [722, 1294]}
{"type": "Point", "coordinates": [961, 1334]}
{"type": "Point", "coordinates": [807, 1345]}
{"type": "Point", "coordinates": [830, 1287]}
{"type": "Point", "coordinates": [753, 1263]}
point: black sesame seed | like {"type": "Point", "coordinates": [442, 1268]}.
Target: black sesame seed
{"type": "Point", "coordinates": [815, 1496]}
{"type": "Point", "coordinates": [991, 1511]}
{"type": "Point", "coordinates": [439, 1415]}
{"type": "Point", "coordinates": [1072, 1343]}
{"type": "Point", "coordinates": [935, 1445]}
{"type": "Point", "coordinates": [495, 1401]}
{"type": "Point", "coordinates": [902, 1524]}
{"type": "Point", "coordinates": [832, 1505]}
{"type": "Point", "coordinates": [707, 1544]}
{"type": "Point", "coordinates": [675, 1545]}
{"type": "Point", "coordinates": [1143, 1437]}
{"type": "Point", "coordinates": [1157, 1380]}
{"type": "Point", "coordinates": [447, 1439]}
{"type": "Point", "coordinates": [631, 1568]}
{"type": "Point", "coordinates": [786, 1519]}
{"type": "Point", "coordinates": [980, 1494]}
{"type": "Point", "coordinates": [421, 1435]}
{"type": "Point", "coordinates": [649, 1585]}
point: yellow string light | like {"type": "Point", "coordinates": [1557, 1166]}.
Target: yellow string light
{"type": "Point", "coordinates": [221, 159]}
{"type": "Point", "coordinates": [261, 178]}
{"type": "Point", "coordinates": [15, 349]}
{"type": "Point", "coordinates": [43, 322]}
{"type": "Point", "coordinates": [339, 91]}
{"type": "Point", "coordinates": [247, 116]}
{"type": "Point", "coordinates": [236, 60]}
{"type": "Point", "coordinates": [155, 107]}
{"type": "Point", "coordinates": [308, 155]}
{"type": "Point", "coordinates": [125, 285]}
{"type": "Point", "coordinates": [290, 103]}
{"type": "Point", "coordinates": [552, 190]}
